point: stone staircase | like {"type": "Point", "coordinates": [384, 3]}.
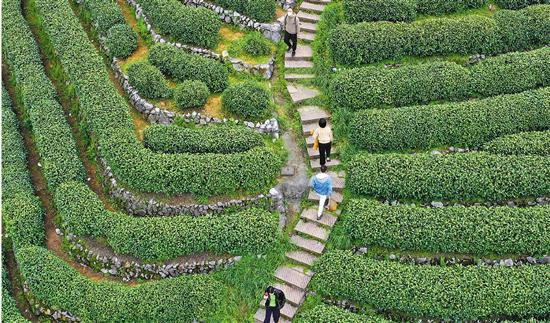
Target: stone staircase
{"type": "Point", "coordinates": [309, 235]}
{"type": "Point", "coordinates": [309, 15]}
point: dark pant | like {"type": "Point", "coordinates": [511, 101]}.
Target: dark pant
{"type": "Point", "coordinates": [291, 37]}
{"type": "Point", "coordinates": [324, 152]}
{"type": "Point", "coordinates": [276, 314]}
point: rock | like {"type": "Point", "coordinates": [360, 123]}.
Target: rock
{"type": "Point", "coordinates": [531, 260]}
{"type": "Point", "coordinates": [437, 204]}
{"type": "Point", "coordinates": [508, 262]}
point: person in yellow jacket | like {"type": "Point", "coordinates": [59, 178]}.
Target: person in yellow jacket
{"type": "Point", "coordinates": [323, 135]}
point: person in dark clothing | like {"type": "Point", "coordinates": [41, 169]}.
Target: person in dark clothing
{"type": "Point", "coordinates": [274, 301]}
{"type": "Point", "coordinates": [291, 27]}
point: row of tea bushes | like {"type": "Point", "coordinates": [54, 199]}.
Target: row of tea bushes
{"type": "Point", "coordinates": [463, 124]}
{"type": "Point", "coordinates": [518, 4]}
{"type": "Point", "coordinates": [371, 87]}
{"type": "Point", "coordinates": [260, 10]}
{"type": "Point", "coordinates": [51, 132]}
{"type": "Point", "coordinates": [251, 231]}
{"type": "Point", "coordinates": [475, 230]}
{"type": "Point", "coordinates": [222, 139]}
{"type": "Point", "coordinates": [188, 25]}
{"type": "Point", "coordinates": [357, 11]}
{"type": "Point", "coordinates": [505, 31]}
{"type": "Point", "coordinates": [182, 66]}
{"type": "Point", "coordinates": [447, 293]}
{"type": "Point", "coordinates": [58, 285]}
{"type": "Point", "coordinates": [106, 118]}
{"type": "Point", "coordinates": [428, 177]}
{"type": "Point", "coordinates": [22, 214]}
{"type": "Point", "coordinates": [527, 143]}
{"type": "Point", "coordinates": [10, 312]}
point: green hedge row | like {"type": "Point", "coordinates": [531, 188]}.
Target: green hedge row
{"type": "Point", "coordinates": [107, 119]}
{"type": "Point", "coordinates": [60, 286]}
{"type": "Point", "coordinates": [260, 10]}
{"type": "Point", "coordinates": [186, 24]}
{"type": "Point", "coordinates": [22, 214]}
{"type": "Point", "coordinates": [449, 177]}
{"type": "Point", "coordinates": [160, 238]}
{"type": "Point", "coordinates": [505, 31]}
{"type": "Point", "coordinates": [121, 40]}
{"type": "Point", "coordinates": [357, 11]}
{"type": "Point", "coordinates": [182, 66]}
{"type": "Point", "coordinates": [370, 87]}
{"type": "Point", "coordinates": [148, 80]}
{"type": "Point", "coordinates": [527, 143]}
{"type": "Point", "coordinates": [10, 312]}
{"type": "Point", "coordinates": [247, 100]}
{"type": "Point", "coordinates": [518, 4]}
{"type": "Point", "coordinates": [104, 14]}
{"type": "Point", "coordinates": [222, 139]}
{"type": "Point", "coordinates": [447, 293]}
{"type": "Point", "coordinates": [329, 314]}
{"type": "Point", "coordinates": [51, 132]}
{"type": "Point", "coordinates": [454, 229]}
{"type": "Point", "coordinates": [465, 124]}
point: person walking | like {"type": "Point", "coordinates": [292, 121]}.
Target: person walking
{"type": "Point", "coordinates": [292, 27]}
{"type": "Point", "coordinates": [322, 185]}
{"type": "Point", "coordinates": [323, 135]}
{"type": "Point", "coordinates": [274, 300]}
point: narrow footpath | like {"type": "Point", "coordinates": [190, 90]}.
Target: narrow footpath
{"type": "Point", "coordinates": [309, 236]}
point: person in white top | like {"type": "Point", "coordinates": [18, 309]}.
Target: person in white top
{"type": "Point", "coordinates": [324, 135]}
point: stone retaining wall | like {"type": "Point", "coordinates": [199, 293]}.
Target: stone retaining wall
{"type": "Point", "coordinates": [527, 202]}
{"type": "Point", "coordinates": [130, 270]}
{"type": "Point", "coordinates": [265, 70]}
{"type": "Point", "coordinates": [155, 114]}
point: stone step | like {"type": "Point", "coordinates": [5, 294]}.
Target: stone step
{"type": "Point", "coordinates": [312, 230]}
{"type": "Point", "coordinates": [288, 311]}
{"type": "Point", "coordinates": [315, 164]}
{"type": "Point", "coordinates": [293, 295]}
{"type": "Point", "coordinates": [314, 7]}
{"type": "Point", "coordinates": [336, 197]}
{"type": "Point", "coordinates": [312, 114]}
{"type": "Point", "coordinates": [295, 77]}
{"type": "Point", "coordinates": [327, 220]}
{"type": "Point", "coordinates": [292, 277]}
{"type": "Point", "coordinates": [314, 154]}
{"type": "Point", "coordinates": [309, 141]}
{"type": "Point", "coordinates": [299, 93]}
{"type": "Point", "coordinates": [308, 127]}
{"type": "Point", "coordinates": [303, 53]}
{"type": "Point", "coordinates": [301, 257]}
{"type": "Point", "coordinates": [306, 36]}
{"type": "Point", "coordinates": [298, 64]}
{"type": "Point", "coordinates": [308, 26]}
{"type": "Point", "coordinates": [309, 245]}
{"type": "Point", "coordinates": [308, 17]}
{"type": "Point", "coordinates": [260, 316]}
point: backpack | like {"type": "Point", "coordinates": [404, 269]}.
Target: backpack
{"type": "Point", "coordinates": [281, 299]}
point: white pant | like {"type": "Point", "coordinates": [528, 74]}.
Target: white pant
{"type": "Point", "coordinates": [322, 199]}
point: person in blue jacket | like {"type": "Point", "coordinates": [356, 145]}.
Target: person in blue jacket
{"type": "Point", "coordinates": [322, 185]}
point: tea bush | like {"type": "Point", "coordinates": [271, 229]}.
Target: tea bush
{"type": "Point", "coordinates": [463, 124]}
{"type": "Point", "coordinates": [247, 100]}
{"type": "Point", "coordinates": [327, 314]}
{"type": "Point", "coordinates": [121, 41]}
{"type": "Point", "coordinates": [526, 143]}
{"type": "Point", "coordinates": [10, 312]}
{"type": "Point", "coordinates": [448, 293]}
{"type": "Point", "coordinates": [222, 139]}
{"type": "Point", "coordinates": [182, 66]}
{"type": "Point", "coordinates": [506, 31]}
{"type": "Point", "coordinates": [186, 24]}
{"type": "Point", "coordinates": [104, 14]}
{"type": "Point", "coordinates": [148, 80]}
{"type": "Point", "coordinates": [453, 229]}
{"type": "Point", "coordinates": [518, 4]}
{"type": "Point", "coordinates": [370, 87]}
{"type": "Point", "coordinates": [191, 296]}
{"type": "Point", "coordinates": [160, 238]}
{"type": "Point", "coordinates": [256, 45]}
{"type": "Point", "coordinates": [449, 177]}
{"type": "Point", "coordinates": [191, 94]}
